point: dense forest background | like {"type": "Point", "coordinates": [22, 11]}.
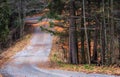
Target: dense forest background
{"type": "Point", "coordinates": [91, 28]}
{"type": "Point", "coordinates": [12, 19]}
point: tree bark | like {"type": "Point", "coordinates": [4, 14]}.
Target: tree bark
{"type": "Point", "coordinates": [94, 58]}
{"type": "Point", "coordinates": [73, 47]}
{"type": "Point", "coordinates": [86, 33]}
{"type": "Point", "coordinates": [103, 36]}
{"type": "Point", "coordinates": [82, 45]}
{"type": "Point", "coordinates": [119, 45]}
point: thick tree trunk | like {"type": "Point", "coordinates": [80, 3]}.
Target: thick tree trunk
{"type": "Point", "coordinates": [73, 47]}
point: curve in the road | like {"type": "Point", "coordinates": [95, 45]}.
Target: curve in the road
{"type": "Point", "coordinates": [24, 63]}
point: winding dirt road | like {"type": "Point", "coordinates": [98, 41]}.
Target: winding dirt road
{"type": "Point", "coordinates": [24, 63]}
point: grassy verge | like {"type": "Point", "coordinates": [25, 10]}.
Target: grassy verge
{"type": "Point", "coordinates": [18, 46]}
{"type": "Point", "coordinates": [86, 68]}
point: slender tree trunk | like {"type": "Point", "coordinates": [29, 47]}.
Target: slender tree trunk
{"type": "Point", "coordinates": [73, 47]}
{"type": "Point", "coordinates": [97, 31]}
{"type": "Point", "coordinates": [89, 31]}
{"type": "Point", "coordinates": [108, 21]}
{"type": "Point", "coordinates": [82, 44]}
{"type": "Point", "coordinates": [94, 58]}
{"type": "Point", "coordinates": [112, 35]}
{"type": "Point", "coordinates": [119, 45]}
{"type": "Point", "coordinates": [103, 33]}
{"type": "Point", "coordinates": [19, 16]}
{"type": "Point", "coordinates": [22, 17]}
{"type": "Point", "coordinates": [86, 33]}
{"type": "Point", "coordinates": [89, 42]}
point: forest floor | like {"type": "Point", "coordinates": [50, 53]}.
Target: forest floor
{"type": "Point", "coordinates": [25, 60]}
{"type": "Point", "coordinates": [56, 63]}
